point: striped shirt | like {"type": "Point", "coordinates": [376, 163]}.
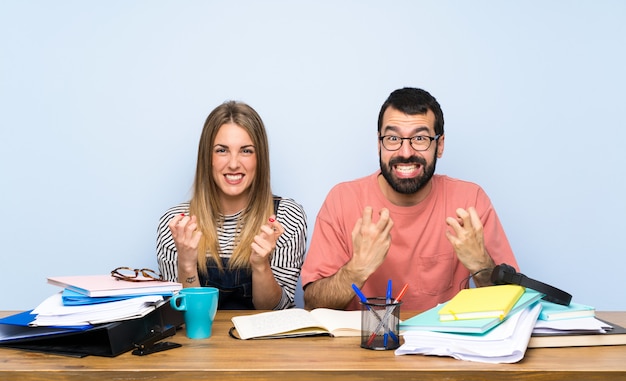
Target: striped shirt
{"type": "Point", "coordinates": [286, 260]}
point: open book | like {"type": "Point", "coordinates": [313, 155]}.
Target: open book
{"type": "Point", "coordinates": [296, 322]}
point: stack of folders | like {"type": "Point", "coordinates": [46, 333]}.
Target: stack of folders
{"type": "Point", "coordinates": [93, 315]}
{"type": "Point", "coordinates": [572, 326]}
{"type": "Point", "coordinates": [487, 324]}
{"type": "Point", "coordinates": [94, 299]}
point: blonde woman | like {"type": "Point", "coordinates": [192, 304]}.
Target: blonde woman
{"type": "Point", "coordinates": [234, 234]}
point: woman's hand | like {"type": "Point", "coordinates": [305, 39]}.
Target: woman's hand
{"type": "Point", "coordinates": [265, 242]}
{"type": "Point", "coordinates": [186, 238]}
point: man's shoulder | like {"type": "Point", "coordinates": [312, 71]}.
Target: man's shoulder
{"type": "Point", "coordinates": [358, 183]}
{"type": "Point", "coordinates": [457, 189]}
{"type": "Point", "coordinates": [447, 181]}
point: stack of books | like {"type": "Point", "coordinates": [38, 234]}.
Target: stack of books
{"type": "Point", "coordinates": [497, 324]}
{"type": "Point", "coordinates": [94, 315]}
{"type": "Point", "coordinates": [487, 324]}
{"type": "Point", "coordinates": [95, 299]}
{"type": "Point", "coordinates": [572, 326]}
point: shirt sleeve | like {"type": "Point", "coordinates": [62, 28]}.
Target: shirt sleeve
{"type": "Point", "coordinates": [331, 243]}
{"type": "Point", "coordinates": [167, 257]}
{"type": "Point", "coordinates": [290, 249]}
{"type": "Point", "coordinates": [495, 239]}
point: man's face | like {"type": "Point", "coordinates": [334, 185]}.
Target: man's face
{"type": "Point", "coordinates": [407, 170]}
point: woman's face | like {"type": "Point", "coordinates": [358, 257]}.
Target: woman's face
{"type": "Point", "coordinates": [234, 166]}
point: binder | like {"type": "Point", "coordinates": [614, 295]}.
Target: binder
{"type": "Point", "coordinates": [107, 340]}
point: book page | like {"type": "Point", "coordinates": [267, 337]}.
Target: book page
{"type": "Point", "coordinates": [339, 322]}
{"type": "Point", "coordinates": [275, 322]}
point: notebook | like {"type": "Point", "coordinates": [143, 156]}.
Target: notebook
{"type": "Point", "coordinates": [553, 311]}
{"type": "Point", "coordinates": [429, 320]}
{"type": "Point", "coordinates": [106, 285]}
{"type": "Point", "coordinates": [482, 302]}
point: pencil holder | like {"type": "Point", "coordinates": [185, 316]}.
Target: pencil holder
{"type": "Point", "coordinates": [380, 324]}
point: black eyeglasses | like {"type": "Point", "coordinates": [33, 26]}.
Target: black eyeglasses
{"type": "Point", "coordinates": [418, 143]}
{"type": "Point", "coordinates": [132, 275]}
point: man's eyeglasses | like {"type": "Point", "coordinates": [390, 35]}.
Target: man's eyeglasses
{"type": "Point", "coordinates": [418, 143]}
{"type": "Point", "coordinates": [132, 275]}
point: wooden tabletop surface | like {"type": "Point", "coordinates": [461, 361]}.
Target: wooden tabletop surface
{"type": "Point", "coordinates": [312, 358]}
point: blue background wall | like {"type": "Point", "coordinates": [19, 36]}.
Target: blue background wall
{"type": "Point", "coordinates": [102, 104]}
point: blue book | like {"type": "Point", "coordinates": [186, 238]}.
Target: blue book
{"type": "Point", "coordinates": [429, 320]}
{"type": "Point", "coordinates": [553, 311]}
{"type": "Point", "coordinates": [16, 328]}
{"type": "Point", "coordinates": [74, 298]}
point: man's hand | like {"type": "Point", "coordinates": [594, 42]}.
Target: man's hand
{"type": "Point", "coordinates": [371, 241]}
{"type": "Point", "coordinates": [468, 240]}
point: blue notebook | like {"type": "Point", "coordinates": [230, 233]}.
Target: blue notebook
{"type": "Point", "coordinates": [553, 311]}
{"type": "Point", "coordinates": [429, 320]}
{"type": "Point", "coordinates": [73, 298]}
{"type": "Point", "coordinates": [15, 328]}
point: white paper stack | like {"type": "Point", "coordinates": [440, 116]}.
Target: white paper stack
{"type": "Point", "coordinates": [505, 343]}
{"type": "Point", "coordinates": [52, 312]}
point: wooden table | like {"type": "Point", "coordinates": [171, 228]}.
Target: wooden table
{"type": "Point", "coordinates": [313, 358]}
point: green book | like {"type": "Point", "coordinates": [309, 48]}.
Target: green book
{"type": "Point", "coordinates": [552, 311]}
{"type": "Point", "coordinates": [429, 320]}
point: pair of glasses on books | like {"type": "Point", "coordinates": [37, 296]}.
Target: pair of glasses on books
{"type": "Point", "coordinates": [133, 275]}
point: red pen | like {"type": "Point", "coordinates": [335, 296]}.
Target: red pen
{"type": "Point", "coordinates": [402, 292]}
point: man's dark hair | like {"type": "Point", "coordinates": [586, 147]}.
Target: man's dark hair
{"type": "Point", "coordinates": [412, 101]}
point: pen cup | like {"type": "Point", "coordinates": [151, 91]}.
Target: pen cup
{"type": "Point", "coordinates": [380, 324]}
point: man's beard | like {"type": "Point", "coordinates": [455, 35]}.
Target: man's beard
{"type": "Point", "coordinates": [412, 185]}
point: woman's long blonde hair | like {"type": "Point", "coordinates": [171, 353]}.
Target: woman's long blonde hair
{"type": "Point", "coordinates": [205, 204]}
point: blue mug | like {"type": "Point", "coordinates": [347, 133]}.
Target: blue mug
{"type": "Point", "coordinates": [199, 306]}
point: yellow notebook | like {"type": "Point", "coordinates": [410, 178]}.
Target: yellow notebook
{"type": "Point", "coordinates": [481, 302]}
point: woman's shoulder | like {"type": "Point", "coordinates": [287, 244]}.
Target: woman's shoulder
{"type": "Point", "coordinates": [291, 213]}
{"type": "Point", "coordinates": [183, 207]}
{"type": "Point", "coordinates": [289, 205]}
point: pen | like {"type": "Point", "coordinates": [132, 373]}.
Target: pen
{"type": "Point", "coordinates": [388, 300]}
{"type": "Point", "coordinates": [360, 295]}
{"type": "Point", "coordinates": [402, 292]}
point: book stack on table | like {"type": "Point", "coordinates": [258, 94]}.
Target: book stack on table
{"type": "Point", "coordinates": [91, 306]}
{"type": "Point", "coordinates": [95, 299]}
{"type": "Point", "coordinates": [496, 324]}
{"type": "Point", "coordinates": [573, 326]}
{"type": "Point", "coordinates": [487, 324]}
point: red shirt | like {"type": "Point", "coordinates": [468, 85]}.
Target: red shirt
{"type": "Point", "coordinates": [420, 254]}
